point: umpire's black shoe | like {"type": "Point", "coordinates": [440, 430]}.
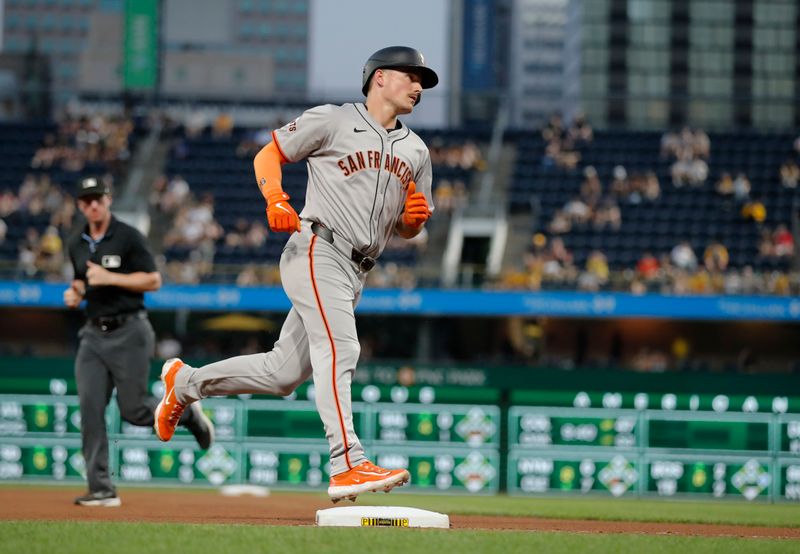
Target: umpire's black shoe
{"type": "Point", "coordinates": [200, 426]}
{"type": "Point", "coordinates": [107, 499]}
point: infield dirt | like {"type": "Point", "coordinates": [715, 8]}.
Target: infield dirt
{"type": "Point", "coordinates": [208, 507]}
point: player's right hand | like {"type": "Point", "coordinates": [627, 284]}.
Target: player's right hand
{"type": "Point", "coordinates": [281, 216]}
{"type": "Point", "coordinates": [73, 295]}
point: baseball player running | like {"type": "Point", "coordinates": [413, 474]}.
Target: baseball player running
{"type": "Point", "coordinates": [369, 176]}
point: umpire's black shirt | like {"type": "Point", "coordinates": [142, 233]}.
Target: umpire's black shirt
{"type": "Point", "coordinates": [122, 250]}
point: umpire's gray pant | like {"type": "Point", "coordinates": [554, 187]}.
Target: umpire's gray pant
{"type": "Point", "coordinates": [121, 359]}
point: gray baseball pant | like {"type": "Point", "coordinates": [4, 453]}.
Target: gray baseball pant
{"type": "Point", "coordinates": [318, 338]}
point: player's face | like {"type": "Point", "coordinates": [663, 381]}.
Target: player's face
{"type": "Point", "coordinates": [402, 89]}
{"type": "Point", "coordinates": [95, 208]}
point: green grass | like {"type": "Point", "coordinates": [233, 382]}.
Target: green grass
{"type": "Point", "coordinates": [130, 538]}
{"type": "Point", "coordinates": [599, 508]}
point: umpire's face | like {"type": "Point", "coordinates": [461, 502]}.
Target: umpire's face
{"type": "Point", "coordinates": [95, 207]}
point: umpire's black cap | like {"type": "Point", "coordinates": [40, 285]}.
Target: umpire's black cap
{"type": "Point", "coordinates": [398, 57]}
{"type": "Point", "coordinates": [90, 186]}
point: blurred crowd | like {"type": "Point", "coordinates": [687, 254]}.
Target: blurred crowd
{"type": "Point", "coordinates": [548, 264]}
{"type": "Point", "coordinates": [562, 143]}
{"type": "Point", "coordinates": [81, 142]}
{"type": "Point", "coordinates": [186, 230]}
{"type": "Point", "coordinates": [690, 150]}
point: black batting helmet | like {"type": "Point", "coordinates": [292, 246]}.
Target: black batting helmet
{"type": "Point", "coordinates": [398, 57]}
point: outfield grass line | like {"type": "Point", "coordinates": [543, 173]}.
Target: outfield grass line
{"type": "Point", "coordinates": [130, 538]}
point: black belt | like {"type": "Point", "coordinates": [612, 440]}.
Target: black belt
{"type": "Point", "coordinates": [364, 262]}
{"type": "Point", "coordinates": [108, 323]}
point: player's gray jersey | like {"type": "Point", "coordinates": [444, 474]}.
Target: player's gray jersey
{"type": "Point", "coordinates": [358, 172]}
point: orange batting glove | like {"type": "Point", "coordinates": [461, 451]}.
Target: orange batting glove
{"type": "Point", "coordinates": [281, 216]}
{"type": "Point", "coordinates": [417, 211]}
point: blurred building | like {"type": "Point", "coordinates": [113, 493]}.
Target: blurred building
{"type": "Point", "coordinates": [256, 47]}
{"type": "Point", "coordinates": [657, 63]}
{"type": "Point", "coordinates": [709, 63]}
{"type": "Point", "coordinates": [544, 58]}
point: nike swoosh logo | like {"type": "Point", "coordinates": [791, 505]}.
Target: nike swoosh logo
{"type": "Point", "coordinates": [166, 398]}
{"type": "Point", "coordinates": [282, 207]}
{"type": "Point", "coordinates": [357, 130]}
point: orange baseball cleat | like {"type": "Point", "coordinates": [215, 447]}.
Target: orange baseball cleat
{"type": "Point", "coordinates": [365, 477]}
{"type": "Point", "coordinates": [169, 410]}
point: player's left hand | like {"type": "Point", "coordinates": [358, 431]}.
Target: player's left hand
{"type": "Point", "coordinates": [281, 216]}
{"type": "Point", "coordinates": [417, 210]}
{"type": "Point", "coordinates": [97, 275]}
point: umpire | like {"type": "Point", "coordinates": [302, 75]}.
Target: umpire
{"type": "Point", "coordinates": [113, 268]}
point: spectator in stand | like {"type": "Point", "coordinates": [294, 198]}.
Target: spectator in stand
{"type": "Point", "coordinates": [577, 211]}
{"type": "Point", "coordinates": [779, 283]}
{"type": "Point", "coordinates": [176, 195]}
{"type": "Point", "coordinates": [558, 252]}
{"type": "Point", "coordinates": [222, 128]}
{"type": "Point", "coordinates": [670, 143]}
{"type": "Point", "coordinates": [257, 235]}
{"type": "Point", "coordinates": [752, 282]}
{"type": "Point", "coordinates": [733, 282]}
{"type": "Point", "coordinates": [741, 187]}
{"type": "Point", "coordinates": [443, 196]}
{"type": "Point", "coordinates": [636, 191]}
{"type": "Point", "coordinates": [790, 174]}
{"type": "Point", "coordinates": [554, 128]}
{"type": "Point", "coordinates": [698, 172]}
{"type": "Point", "coordinates": [194, 124]}
{"type": "Point", "coordinates": [9, 203]}
{"type": "Point", "coordinates": [591, 189]}
{"type": "Point", "coordinates": [724, 186]}
{"type": "Point", "coordinates": [689, 149]}
{"type": "Point", "coordinates": [683, 257]}
{"type": "Point", "coordinates": [253, 142]}
{"type": "Point", "coordinates": [559, 225]}
{"type": "Point", "coordinates": [766, 245]}
{"type": "Point", "coordinates": [460, 195]}
{"type": "Point", "coordinates": [50, 258]}
{"type": "Point", "coordinates": [157, 192]}
{"type": "Point", "coordinates": [28, 254]}
{"type": "Point", "coordinates": [559, 145]}
{"type": "Point", "coordinates": [580, 132]}
{"type": "Point", "coordinates": [248, 276]}
{"type": "Point", "coordinates": [648, 267]}
{"type": "Point", "coordinates": [465, 155]}
{"type": "Point", "coordinates": [552, 151]}
{"type": "Point", "coordinates": [715, 257]}
{"type": "Point", "coordinates": [608, 215]}
{"type": "Point", "coordinates": [754, 210]}
{"type": "Point", "coordinates": [701, 144]}
{"type": "Point", "coordinates": [652, 188]}
{"type": "Point", "coordinates": [237, 236]}
{"type": "Point", "coordinates": [80, 140]}
{"type": "Point", "coordinates": [597, 269]}
{"type": "Point", "coordinates": [619, 188]}
{"type": "Point", "coordinates": [637, 287]}
{"type": "Point", "coordinates": [784, 241]}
